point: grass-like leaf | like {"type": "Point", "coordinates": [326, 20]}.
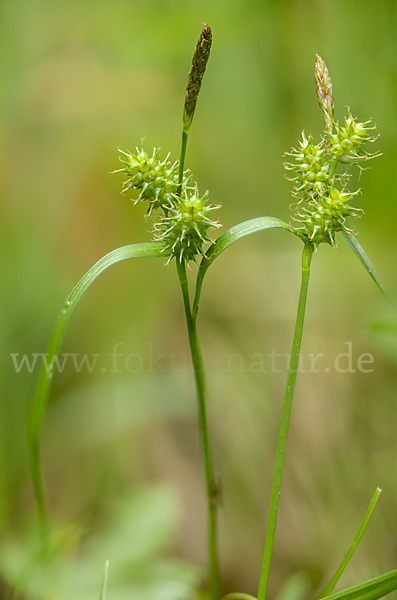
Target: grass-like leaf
{"type": "Point", "coordinates": [353, 545]}
{"type": "Point", "coordinates": [375, 588]}
{"type": "Point", "coordinates": [238, 596]}
{"type": "Point", "coordinates": [354, 244]}
{"type": "Point", "coordinates": [102, 595]}
{"type": "Point", "coordinates": [40, 401]}
{"type": "Point", "coordinates": [231, 236]}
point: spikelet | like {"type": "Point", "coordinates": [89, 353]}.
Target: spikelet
{"type": "Point", "coordinates": [196, 74]}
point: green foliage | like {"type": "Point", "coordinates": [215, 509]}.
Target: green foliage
{"type": "Point", "coordinates": [138, 532]}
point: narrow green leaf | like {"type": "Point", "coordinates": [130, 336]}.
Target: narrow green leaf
{"type": "Point", "coordinates": [40, 400]}
{"type": "Point", "coordinates": [238, 596]}
{"type": "Point", "coordinates": [353, 546]}
{"type": "Point", "coordinates": [354, 244]}
{"type": "Point", "coordinates": [231, 236]}
{"type": "Point", "coordinates": [375, 588]}
{"type": "Point", "coordinates": [102, 595]}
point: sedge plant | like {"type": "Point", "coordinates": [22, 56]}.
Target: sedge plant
{"type": "Point", "coordinates": [183, 230]}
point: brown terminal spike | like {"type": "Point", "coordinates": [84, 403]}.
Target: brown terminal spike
{"type": "Point", "coordinates": [196, 74]}
{"type": "Point", "coordinates": [324, 92]}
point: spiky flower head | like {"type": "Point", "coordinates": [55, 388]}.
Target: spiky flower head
{"type": "Point", "coordinates": [322, 206]}
{"type": "Point", "coordinates": [347, 144]}
{"type": "Point", "coordinates": [322, 219]}
{"type": "Point", "coordinates": [311, 169]}
{"type": "Point", "coordinates": [185, 216]}
{"type": "Point", "coordinates": [184, 229]}
{"type": "Point", "coordinates": [155, 179]}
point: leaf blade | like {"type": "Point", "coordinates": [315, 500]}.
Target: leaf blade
{"type": "Point", "coordinates": [40, 400]}
{"type": "Point", "coordinates": [373, 589]}
{"type": "Point", "coordinates": [346, 559]}
{"type": "Point", "coordinates": [102, 594]}
{"type": "Point", "coordinates": [355, 246]}
{"type": "Point", "coordinates": [231, 236]}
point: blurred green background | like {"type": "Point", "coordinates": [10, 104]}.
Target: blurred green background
{"type": "Point", "coordinates": [121, 454]}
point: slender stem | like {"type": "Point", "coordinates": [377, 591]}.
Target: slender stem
{"type": "Point", "coordinates": [353, 545]}
{"type": "Point", "coordinates": [104, 582]}
{"type": "Point", "coordinates": [182, 156]}
{"type": "Point", "coordinates": [282, 439]}
{"type": "Point", "coordinates": [211, 486]}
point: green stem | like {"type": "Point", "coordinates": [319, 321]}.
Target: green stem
{"type": "Point", "coordinates": [211, 486]}
{"type": "Point", "coordinates": [104, 583]}
{"type": "Point", "coordinates": [286, 414]}
{"type": "Point", "coordinates": [353, 545]}
{"type": "Point", "coordinates": [182, 156]}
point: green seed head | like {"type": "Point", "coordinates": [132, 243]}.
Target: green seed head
{"type": "Point", "coordinates": [347, 144]}
{"type": "Point", "coordinates": [322, 208]}
{"type": "Point", "coordinates": [185, 227]}
{"type": "Point", "coordinates": [322, 219]}
{"type": "Point", "coordinates": [155, 179]}
{"type": "Point", "coordinates": [186, 217]}
{"type": "Point", "coordinates": [311, 169]}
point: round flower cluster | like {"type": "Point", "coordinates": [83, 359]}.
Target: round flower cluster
{"type": "Point", "coordinates": [185, 220]}
{"type": "Point", "coordinates": [311, 167]}
{"type": "Point", "coordinates": [184, 228]}
{"type": "Point", "coordinates": [322, 208]}
{"type": "Point", "coordinates": [328, 216]}
{"type": "Point", "coordinates": [156, 180]}
{"type": "Point", "coordinates": [347, 143]}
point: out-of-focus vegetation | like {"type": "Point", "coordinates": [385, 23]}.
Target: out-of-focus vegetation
{"type": "Point", "coordinates": [121, 452]}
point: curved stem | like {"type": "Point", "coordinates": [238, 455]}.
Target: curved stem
{"type": "Point", "coordinates": [286, 414]}
{"type": "Point", "coordinates": [211, 486]}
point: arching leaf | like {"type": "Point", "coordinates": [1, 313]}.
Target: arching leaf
{"type": "Point", "coordinates": [231, 236]}
{"type": "Point", "coordinates": [40, 401]}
